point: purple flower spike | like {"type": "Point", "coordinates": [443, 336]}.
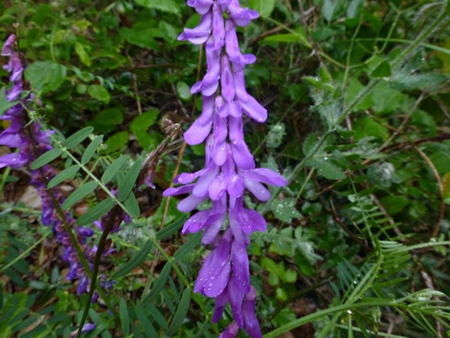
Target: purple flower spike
{"type": "Point", "coordinates": [8, 47]}
{"type": "Point", "coordinates": [229, 169]}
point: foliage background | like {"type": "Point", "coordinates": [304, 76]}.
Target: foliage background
{"type": "Point", "coordinates": [358, 99]}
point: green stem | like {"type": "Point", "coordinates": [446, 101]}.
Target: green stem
{"type": "Point", "coordinates": [98, 256]}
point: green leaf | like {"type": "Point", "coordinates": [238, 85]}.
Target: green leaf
{"type": "Point", "coordinates": [299, 36]}
{"type": "Point", "coordinates": [366, 126]}
{"type": "Point", "coordinates": [46, 158]}
{"type": "Point", "coordinates": [140, 125]}
{"type": "Point", "coordinates": [135, 261]}
{"type": "Point", "coordinates": [99, 93]}
{"type": "Point", "coordinates": [382, 70]}
{"type": "Point", "coordinates": [113, 168]}
{"type": "Point", "coordinates": [285, 209]}
{"type": "Point", "coordinates": [426, 81]}
{"type": "Point", "coordinates": [157, 316]}
{"type": "Point", "coordinates": [129, 181]}
{"type": "Point", "coordinates": [124, 317]}
{"type": "Point", "coordinates": [90, 150]}
{"type": "Point", "coordinates": [96, 212]}
{"type": "Point", "coordinates": [188, 247]}
{"type": "Point", "coordinates": [78, 194]}
{"type": "Point", "coordinates": [171, 229]}
{"type": "Point", "coordinates": [309, 144]}
{"type": "Point", "coordinates": [146, 325]}
{"type": "Point", "coordinates": [132, 206]}
{"type": "Point", "coordinates": [169, 6]}
{"type": "Point", "coordinates": [354, 7]}
{"type": "Point", "coordinates": [82, 54]}
{"type": "Point", "coordinates": [329, 8]}
{"type": "Point", "coordinates": [116, 142]}
{"type": "Point", "coordinates": [140, 38]}
{"type": "Point", "coordinates": [158, 287]}
{"type": "Point", "coordinates": [264, 7]}
{"type": "Point", "coordinates": [78, 137]}
{"type": "Point", "coordinates": [68, 173]}
{"type": "Point", "coordinates": [394, 204]}
{"type": "Point", "coordinates": [180, 314]}
{"type": "Point", "coordinates": [4, 103]}
{"type": "Point", "coordinates": [168, 31]}
{"type": "Point", "coordinates": [327, 169]}
{"type": "Point", "coordinates": [183, 90]}
{"type": "Point", "coordinates": [45, 76]}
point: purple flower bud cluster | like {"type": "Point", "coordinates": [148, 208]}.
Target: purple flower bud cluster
{"type": "Point", "coordinates": [229, 167]}
{"type": "Point", "coordinates": [31, 142]}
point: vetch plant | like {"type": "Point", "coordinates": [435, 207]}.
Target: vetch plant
{"type": "Point", "coordinates": [32, 142]}
{"type": "Point", "coordinates": [229, 165]}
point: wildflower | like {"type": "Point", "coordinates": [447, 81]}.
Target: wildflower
{"type": "Point", "coordinates": [31, 142]}
{"type": "Point", "coordinates": [229, 165]}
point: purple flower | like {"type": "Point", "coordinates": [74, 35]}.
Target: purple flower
{"type": "Point", "coordinates": [8, 47]}
{"type": "Point", "coordinates": [31, 142]}
{"type": "Point", "coordinates": [88, 327]}
{"type": "Point", "coordinates": [229, 166]}
{"type": "Point", "coordinates": [199, 34]}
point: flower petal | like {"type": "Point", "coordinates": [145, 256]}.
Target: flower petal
{"type": "Point", "coordinates": [201, 128]}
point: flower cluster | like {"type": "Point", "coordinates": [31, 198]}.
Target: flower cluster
{"type": "Point", "coordinates": [31, 142]}
{"type": "Point", "coordinates": [229, 167]}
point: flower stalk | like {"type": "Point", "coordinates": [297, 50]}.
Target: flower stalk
{"type": "Point", "coordinates": [229, 168]}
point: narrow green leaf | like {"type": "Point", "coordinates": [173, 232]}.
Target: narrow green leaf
{"type": "Point", "coordinates": [128, 183]}
{"type": "Point", "coordinates": [82, 54]}
{"type": "Point", "coordinates": [135, 261]}
{"type": "Point", "coordinates": [180, 314]}
{"type": "Point", "coordinates": [159, 285]}
{"type": "Point", "coordinates": [187, 247]}
{"type": "Point", "coordinates": [46, 158]}
{"type": "Point", "coordinates": [15, 277]}
{"type": "Point", "coordinates": [78, 194]}
{"type": "Point", "coordinates": [146, 324]}
{"type": "Point", "coordinates": [113, 168]}
{"type": "Point", "coordinates": [68, 173]}
{"type": "Point", "coordinates": [96, 212]}
{"type": "Point", "coordinates": [78, 137]}
{"type": "Point", "coordinates": [382, 70]}
{"type": "Point", "coordinates": [91, 148]}
{"type": "Point", "coordinates": [171, 228]}
{"type": "Point", "coordinates": [157, 316]}
{"type": "Point", "coordinates": [136, 332]}
{"type": "Point", "coordinates": [124, 317]}
{"type": "Point", "coordinates": [132, 205]}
